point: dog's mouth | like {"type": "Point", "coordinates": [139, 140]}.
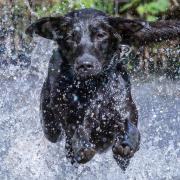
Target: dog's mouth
{"type": "Point", "coordinates": [89, 72]}
{"type": "Point", "coordinates": [87, 75]}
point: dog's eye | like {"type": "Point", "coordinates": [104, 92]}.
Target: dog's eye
{"type": "Point", "coordinates": [101, 35]}
{"type": "Point", "coordinates": [73, 37]}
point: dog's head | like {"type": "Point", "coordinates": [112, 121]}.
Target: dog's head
{"type": "Point", "coordinates": [87, 38]}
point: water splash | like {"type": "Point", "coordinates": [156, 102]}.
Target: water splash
{"type": "Point", "coordinates": [26, 154]}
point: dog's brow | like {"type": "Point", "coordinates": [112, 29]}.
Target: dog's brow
{"type": "Point", "coordinates": [84, 24]}
{"type": "Point", "coordinates": [98, 21]}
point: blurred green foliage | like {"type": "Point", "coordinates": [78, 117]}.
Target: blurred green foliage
{"type": "Point", "coordinates": [148, 10]}
{"type": "Point", "coordinates": [65, 6]}
{"type": "Point", "coordinates": [151, 10]}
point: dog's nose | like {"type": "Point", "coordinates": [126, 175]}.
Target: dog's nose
{"type": "Point", "coordinates": [85, 66]}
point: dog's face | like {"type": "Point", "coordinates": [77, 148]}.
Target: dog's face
{"type": "Point", "coordinates": [88, 45]}
{"type": "Point", "coordinates": [87, 38]}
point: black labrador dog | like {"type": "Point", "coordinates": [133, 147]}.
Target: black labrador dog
{"type": "Point", "coordinates": [87, 91]}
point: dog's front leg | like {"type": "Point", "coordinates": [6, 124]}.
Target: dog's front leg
{"type": "Point", "coordinates": [51, 127]}
{"type": "Point", "coordinates": [83, 149]}
{"type": "Point", "coordinates": [126, 144]}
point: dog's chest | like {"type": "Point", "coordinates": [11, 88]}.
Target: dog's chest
{"type": "Point", "coordinates": [103, 107]}
{"type": "Point", "coordinates": [109, 102]}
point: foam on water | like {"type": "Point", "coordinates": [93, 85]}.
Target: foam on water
{"type": "Point", "coordinates": [26, 154]}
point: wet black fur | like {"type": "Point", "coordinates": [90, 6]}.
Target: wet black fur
{"type": "Point", "coordinates": [95, 111]}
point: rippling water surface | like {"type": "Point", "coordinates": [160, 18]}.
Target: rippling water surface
{"type": "Point", "coordinates": [26, 154]}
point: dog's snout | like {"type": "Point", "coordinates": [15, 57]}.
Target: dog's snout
{"type": "Point", "coordinates": [85, 66]}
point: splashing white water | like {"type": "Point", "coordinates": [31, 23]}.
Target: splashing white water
{"type": "Point", "coordinates": [26, 154]}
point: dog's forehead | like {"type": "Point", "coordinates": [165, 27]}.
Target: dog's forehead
{"type": "Point", "coordinates": [84, 24]}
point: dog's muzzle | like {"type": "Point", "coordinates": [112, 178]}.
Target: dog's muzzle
{"type": "Point", "coordinates": [87, 66]}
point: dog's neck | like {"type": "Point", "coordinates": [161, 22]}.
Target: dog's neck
{"type": "Point", "coordinates": [83, 88]}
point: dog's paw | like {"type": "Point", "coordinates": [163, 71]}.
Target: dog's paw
{"type": "Point", "coordinates": [126, 145]}
{"type": "Point", "coordinates": [84, 155]}
{"type": "Point", "coordinates": [123, 149]}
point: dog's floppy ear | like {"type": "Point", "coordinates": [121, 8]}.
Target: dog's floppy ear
{"type": "Point", "coordinates": [48, 27]}
{"type": "Point", "coordinates": [140, 32]}
{"type": "Point", "coordinates": [125, 26]}
{"type": "Point", "coordinates": [158, 31]}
